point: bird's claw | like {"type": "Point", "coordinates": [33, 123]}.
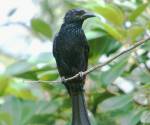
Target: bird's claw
{"type": "Point", "coordinates": [63, 79]}
{"type": "Point", "coordinates": [81, 74]}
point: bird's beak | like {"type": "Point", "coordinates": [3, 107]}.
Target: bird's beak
{"type": "Point", "coordinates": [88, 15]}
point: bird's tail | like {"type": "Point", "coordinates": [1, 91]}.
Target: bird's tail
{"type": "Point", "coordinates": [79, 112]}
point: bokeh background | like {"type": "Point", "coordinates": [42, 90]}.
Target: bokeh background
{"type": "Point", "coordinates": [116, 94]}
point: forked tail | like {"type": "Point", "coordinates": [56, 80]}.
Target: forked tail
{"type": "Point", "coordinates": [79, 112]}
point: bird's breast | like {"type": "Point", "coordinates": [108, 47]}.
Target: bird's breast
{"type": "Point", "coordinates": [71, 39]}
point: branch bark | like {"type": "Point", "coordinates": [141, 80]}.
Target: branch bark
{"type": "Point", "coordinates": [99, 65]}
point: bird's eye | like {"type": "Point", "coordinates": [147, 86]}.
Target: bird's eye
{"type": "Point", "coordinates": [81, 12]}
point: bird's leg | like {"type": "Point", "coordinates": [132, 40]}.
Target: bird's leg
{"type": "Point", "coordinates": [81, 75]}
{"type": "Point", "coordinates": [63, 80]}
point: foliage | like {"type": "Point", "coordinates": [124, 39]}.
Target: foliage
{"type": "Point", "coordinates": [117, 94]}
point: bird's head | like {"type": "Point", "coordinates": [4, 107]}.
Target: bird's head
{"type": "Point", "coordinates": [77, 16]}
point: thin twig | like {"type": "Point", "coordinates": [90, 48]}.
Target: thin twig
{"type": "Point", "coordinates": [17, 23]}
{"type": "Point", "coordinates": [99, 65]}
{"type": "Point", "coordinates": [42, 81]}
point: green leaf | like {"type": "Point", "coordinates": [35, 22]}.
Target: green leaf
{"type": "Point", "coordinates": [146, 46]}
{"type": "Point", "coordinates": [46, 112]}
{"type": "Point", "coordinates": [115, 103]}
{"type": "Point", "coordinates": [93, 35]}
{"type": "Point", "coordinates": [18, 68]}
{"type": "Point", "coordinates": [137, 12]}
{"type": "Point", "coordinates": [4, 82]}
{"type": "Point", "coordinates": [22, 93]}
{"type": "Point", "coordinates": [144, 77]}
{"type": "Point", "coordinates": [23, 112]}
{"type": "Point", "coordinates": [117, 69]}
{"type": "Point", "coordinates": [48, 75]}
{"type": "Point", "coordinates": [132, 118]}
{"type": "Point", "coordinates": [111, 13]}
{"type": "Point", "coordinates": [43, 119]}
{"type": "Point", "coordinates": [134, 32]}
{"type": "Point", "coordinates": [102, 45]}
{"type": "Point", "coordinates": [5, 119]}
{"type": "Point", "coordinates": [20, 111]}
{"type": "Point", "coordinates": [44, 57]}
{"type": "Point", "coordinates": [21, 69]}
{"type": "Point", "coordinates": [27, 75]}
{"type": "Point", "coordinates": [49, 107]}
{"type": "Point", "coordinates": [112, 31]}
{"type": "Point", "coordinates": [41, 27]}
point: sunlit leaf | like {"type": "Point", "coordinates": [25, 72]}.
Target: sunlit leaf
{"type": "Point", "coordinates": [93, 35]}
{"type": "Point", "coordinates": [134, 32]}
{"type": "Point", "coordinates": [22, 93]}
{"type": "Point", "coordinates": [111, 13]}
{"type": "Point", "coordinates": [4, 82]}
{"type": "Point", "coordinates": [112, 31]}
{"type": "Point", "coordinates": [137, 12]}
{"type": "Point", "coordinates": [5, 119]}
{"type": "Point", "coordinates": [48, 75]}
{"type": "Point", "coordinates": [39, 26]}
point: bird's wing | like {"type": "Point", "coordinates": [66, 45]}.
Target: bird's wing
{"type": "Point", "coordinates": [86, 50]}
{"type": "Point", "coordinates": [54, 46]}
{"type": "Point", "coordinates": [61, 63]}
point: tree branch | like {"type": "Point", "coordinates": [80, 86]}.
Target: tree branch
{"type": "Point", "coordinates": [98, 65]}
{"type": "Point", "coordinates": [17, 23]}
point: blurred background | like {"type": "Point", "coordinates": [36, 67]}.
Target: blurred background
{"type": "Point", "coordinates": [116, 94]}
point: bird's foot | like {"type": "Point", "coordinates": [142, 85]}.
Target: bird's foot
{"type": "Point", "coordinates": [81, 74]}
{"type": "Point", "coordinates": [63, 80]}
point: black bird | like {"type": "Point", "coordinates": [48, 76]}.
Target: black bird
{"type": "Point", "coordinates": [70, 49]}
